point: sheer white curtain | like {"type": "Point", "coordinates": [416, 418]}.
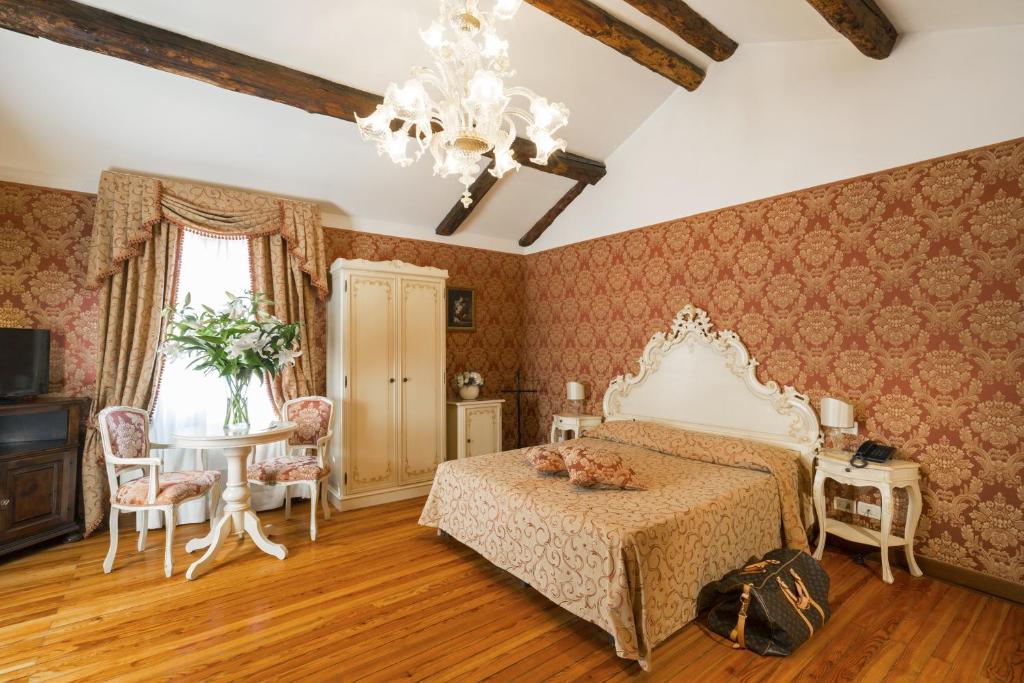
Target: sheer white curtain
{"type": "Point", "coordinates": [191, 401]}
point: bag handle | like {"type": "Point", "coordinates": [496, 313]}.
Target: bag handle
{"type": "Point", "coordinates": [805, 595]}
{"type": "Point", "coordinates": [738, 633]}
{"type": "Point", "coordinates": [796, 603]}
{"type": "Point", "coordinates": [757, 566]}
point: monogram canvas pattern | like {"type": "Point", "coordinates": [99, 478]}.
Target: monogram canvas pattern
{"type": "Point", "coordinates": [632, 562]}
{"type": "Point", "coordinates": [174, 487]}
{"type": "Point", "coordinates": [298, 468]}
{"type": "Point", "coordinates": [590, 468]}
{"type": "Point", "coordinates": [313, 419]}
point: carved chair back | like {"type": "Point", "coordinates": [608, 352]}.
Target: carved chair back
{"type": "Point", "coordinates": [124, 433]}
{"type": "Point", "coordinates": [314, 416]}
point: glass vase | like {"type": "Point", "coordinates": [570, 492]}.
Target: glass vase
{"type": "Point", "coordinates": [236, 414]}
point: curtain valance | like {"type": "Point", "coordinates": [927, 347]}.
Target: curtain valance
{"type": "Point", "coordinates": [129, 207]}
{"type": "Point", "coordinates": [133, 260]}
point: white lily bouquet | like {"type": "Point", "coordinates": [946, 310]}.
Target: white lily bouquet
{"type": "Point", "coordinates": [237, 342]}
{"type": "Point", "coordinates": [468, 384]}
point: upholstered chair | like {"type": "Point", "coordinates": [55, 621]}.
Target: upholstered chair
{"type": "Point", "coordinates": [305, 462]}
{"type": "Point", "coordinates": [124, 433]}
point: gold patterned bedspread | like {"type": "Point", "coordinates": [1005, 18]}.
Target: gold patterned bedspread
{"type": "Point", "coordinates": [631, 562]}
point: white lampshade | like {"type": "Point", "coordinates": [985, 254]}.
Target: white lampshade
{"type": "Point", "coordinates": [836, 413]}
{"type": "Point", "coordinates": [574, 391]}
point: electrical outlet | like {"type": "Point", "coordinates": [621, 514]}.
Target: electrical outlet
{"type": "Point", "coordinates": [842, 504]}
{"type": "Point", "coordinates": [869, 510]}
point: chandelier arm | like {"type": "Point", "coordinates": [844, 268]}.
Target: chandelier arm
{"type": "Point", "coordinates": [520, 90]}
{"type": "Point", "coordinates": [521, 113]}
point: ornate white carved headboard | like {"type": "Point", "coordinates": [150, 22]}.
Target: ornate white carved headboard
{"type": "Point", "coordinates": [706, 381]}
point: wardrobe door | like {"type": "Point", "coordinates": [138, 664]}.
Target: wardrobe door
{"type": "Point", "coordinates": [421, 346]}
{"type": "Point", "coordinates": [371, 432]}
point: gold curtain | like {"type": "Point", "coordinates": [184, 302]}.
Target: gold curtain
{"type": "Point", "coordinates": [281, 278]}
{"type": "Point", "coordinates": [133, 259]}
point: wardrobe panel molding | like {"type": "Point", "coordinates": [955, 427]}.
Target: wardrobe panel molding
{"type": "Point", "coordinates": [386, 370]}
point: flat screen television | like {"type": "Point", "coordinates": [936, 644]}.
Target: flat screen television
{"type": "Point", "coordinates": [24, 362]}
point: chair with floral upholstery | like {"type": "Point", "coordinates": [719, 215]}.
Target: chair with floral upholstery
{"type": "Point", "coordinates": [314, 416]}
{"type": "Point", "coordinates": [124, 433]}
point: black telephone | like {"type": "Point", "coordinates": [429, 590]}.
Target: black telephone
{"type": "Point", "coordinates": [871, 451]}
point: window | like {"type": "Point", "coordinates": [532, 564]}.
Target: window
{"type": "Point", "coordinates": [192, 401]}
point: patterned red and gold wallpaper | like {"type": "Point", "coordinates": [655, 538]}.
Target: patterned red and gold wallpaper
{"type": "Point", "coordinates": [44, 237]}
{"type": "Point", "coordinates": [900, 292]}
{"type": "Point", "coordinates": [493, 348]}
{"type": "Point", "coordinates": [43, 245]}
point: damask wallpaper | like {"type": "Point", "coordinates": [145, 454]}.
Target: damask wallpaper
{"type": "Point", "coordinates": [43, 245]}
{"type": "Point", "coordinates": [44, 237]}
{"type": "Point", "coordinates": [900, 292]}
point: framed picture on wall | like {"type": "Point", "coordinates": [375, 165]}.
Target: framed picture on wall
{"type": "Point", "coordinates": [461, 309]}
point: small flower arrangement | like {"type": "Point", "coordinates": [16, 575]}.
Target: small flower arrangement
{"type": "Point", "coordinates": [468, 384]}
{"type": "Point", "coordinates": [237, 342]}
{"type": "Point", "coordinates": [468, 379]}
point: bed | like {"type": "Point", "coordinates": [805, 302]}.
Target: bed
{"type": "Point", "coordinates": [726, 459]}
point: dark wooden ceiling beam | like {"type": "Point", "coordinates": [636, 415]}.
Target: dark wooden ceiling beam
{"type": "Point", "coordinates": [554, 212]}
{"type": "Point", "coordinates": [689, 25]}
{"type": "Point", "coordinates": [862, 22]}
{"type": "Point", "coordinates": [591, 20]}
{"type": "Point", "coordinates": [96, 30]}
{"type": "Point", "coordinates": [459, 213]}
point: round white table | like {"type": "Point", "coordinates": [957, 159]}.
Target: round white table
{"type": "Point", "coordinates": [237, 512]}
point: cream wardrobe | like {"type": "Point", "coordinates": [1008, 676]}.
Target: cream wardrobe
{"type": "Point", "coordinates": [386, 369]}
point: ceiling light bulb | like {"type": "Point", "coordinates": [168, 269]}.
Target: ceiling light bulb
{"type": "Point", "coordinates": [486, 89]}
{"type": "Point", "coordinates": [546, 144]}
{"type": "Point", "coordinates": [549, 116]}
{"type": "Point", "coordinates": [378, 124]}
{"type": "Point", "coordinates": [504, 161]}
{"type": "Point", "coordinates": [409, 100]}
{"type": "Point", "coordinates": [506, 9]}
{"type": "Point", "coordinates": [452, 164]}
{"type": "Point", "coordinates": [433, 36]}
{"type": "Point", "coordinates": [396, 149]}
{"type": "Point", "coordinates": [494, 46]}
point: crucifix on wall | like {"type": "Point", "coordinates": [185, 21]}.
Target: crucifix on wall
{"type": "Point", "coordinates": [518, 391]}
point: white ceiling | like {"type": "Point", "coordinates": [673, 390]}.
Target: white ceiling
{"type": "Point", "coordinates": [67, 114]}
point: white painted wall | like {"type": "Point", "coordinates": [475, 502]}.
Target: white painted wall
{"type": "Point", "coordinates": [778, 117]}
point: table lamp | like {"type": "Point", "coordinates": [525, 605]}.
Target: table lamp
{"type": "Point", "coordinates": [575, 393]}
{"type": "Point", "coordinates": [837, 417]}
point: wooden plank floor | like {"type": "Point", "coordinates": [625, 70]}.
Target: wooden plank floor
{"type": "Point", "coordinates": [379, 598]}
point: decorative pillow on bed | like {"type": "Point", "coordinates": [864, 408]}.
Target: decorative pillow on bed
{"type": "Point", "coordinates": [545, 459]}
{"type": "Point", "coordinates": [592, 468]}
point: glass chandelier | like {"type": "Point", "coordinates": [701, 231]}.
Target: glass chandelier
{"type": "Point", "coordinates": [461, 109]}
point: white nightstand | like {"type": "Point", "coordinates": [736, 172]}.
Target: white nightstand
{"type": "Point", "coordinates": [474, 427]}
{"type": "Point", "coordinates": [885, 477]}
{"type": "Point", "coordinates": [560, 424]}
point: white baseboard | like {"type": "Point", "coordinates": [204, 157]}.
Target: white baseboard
{"type": "Point", "coordinates": [370, 498]}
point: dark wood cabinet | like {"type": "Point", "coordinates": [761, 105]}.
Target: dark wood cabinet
{"type": "Point", "coordinates": [40, 463]}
